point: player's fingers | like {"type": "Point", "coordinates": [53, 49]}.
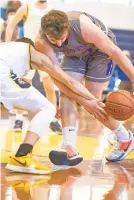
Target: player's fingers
{"type": "Point", "coordinates": [103, 112]}
{"type": "Point", "coordinates": [102, 116]}
{"type": "Point", "coordinates": [101, 104]}
{"type": "Point", "coordinates": [99, 116]}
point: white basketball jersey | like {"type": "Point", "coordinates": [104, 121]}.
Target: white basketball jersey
{"type": "Point", "coordinates": [33, 21]}
{"type": "Point", "coordinates": [15, 56]}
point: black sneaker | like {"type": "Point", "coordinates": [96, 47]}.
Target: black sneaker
{"type": "Point", "coordinates": [56, 127]}
{"type": "Point", "coordinates": [66, 155]}
{"type": "Point", "coordinates": [18, 125]}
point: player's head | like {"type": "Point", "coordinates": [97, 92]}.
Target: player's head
{"type": "Point", "coordinates": [55, 25]}
{"type": "Point", "coordinates": [25, 40]}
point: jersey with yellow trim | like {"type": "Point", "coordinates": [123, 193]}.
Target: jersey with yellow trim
{"type": "Point", "coordinates": [16, 57]}
{"type": "Point", "coordinates": [33, 21]}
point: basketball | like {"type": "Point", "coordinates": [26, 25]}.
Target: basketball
{"type": "Point", "coordinates": [120, 105]}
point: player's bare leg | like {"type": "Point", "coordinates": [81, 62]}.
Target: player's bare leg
{"type": "Point", "coordinates": [68, 155]}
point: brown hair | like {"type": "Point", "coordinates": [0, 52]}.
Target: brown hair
{"type": "Point", "coordinates": [55, 23]}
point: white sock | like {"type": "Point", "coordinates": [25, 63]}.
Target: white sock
{"type": "Point", "coordinates": [69, 136]}
{"type": "Point", "coordinates": [122, 133]}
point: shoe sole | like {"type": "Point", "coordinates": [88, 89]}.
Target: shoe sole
{"type": "Point", "coordinates": [29, 170]}
{"type": "Point", "coordinates": [60, 158]}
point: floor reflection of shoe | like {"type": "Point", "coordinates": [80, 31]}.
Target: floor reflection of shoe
{"type": "Point", "coordinates": [18, 125]}
{"type": "Point", "coordinates": [121, 174]}
{"type": "Point", "coordinates": [26, 164]}
{"type": "Point", "coordinates": [15, 180]}
{"type": "Point", "coordinates": [121, 150]}
{"type": "Point", "coordinates": [60, 177]}
{"type": "Point", "coordinates": [56, 127]}
{"type": "Point", "coordinates": [65, 156]}
{"type": "Point", "coordinates": [23, 184]}
{"type": "Point", "coordinates": [112, 139]}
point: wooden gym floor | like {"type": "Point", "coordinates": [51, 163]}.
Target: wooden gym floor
{"type": "Point", "coordinates": [93, 179]}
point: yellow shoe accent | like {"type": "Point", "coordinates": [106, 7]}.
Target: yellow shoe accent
{"type": "Point", "coordinates": [25, 182]}
{"type": "Point", "coordinates": [26, 164]}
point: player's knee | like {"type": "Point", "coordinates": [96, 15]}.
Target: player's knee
{"type": "Point", "coordinates": [41, 121]}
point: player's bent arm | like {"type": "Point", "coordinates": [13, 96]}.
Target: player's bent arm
{"type": "Point", "coordinates": [69, 93]}
{"type": "Point", "coordinates": [93, 34]}
{"type": "Point", "coordinates": [43, 63]}
{"type": "Point", "coordinates": [21, 12]}
{"type": "Point", "coordinates": [92, 106]}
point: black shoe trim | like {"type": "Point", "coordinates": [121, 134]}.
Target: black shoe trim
{"type": "Point", "coordinates": [61, 158]}
{"type": "Point", "coordinates": [21, 163]}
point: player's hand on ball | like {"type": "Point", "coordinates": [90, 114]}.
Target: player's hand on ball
{"type": "Point", "coordinates": [96, 107]}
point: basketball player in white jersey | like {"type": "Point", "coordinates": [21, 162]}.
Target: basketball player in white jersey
{"type": "Point", "coordinates": [31, 14]}
{"type": "Point", "coordinates": [16, 59]}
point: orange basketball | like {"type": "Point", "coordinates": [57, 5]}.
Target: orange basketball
{"type": "Point", "coordinates": [120, 105]}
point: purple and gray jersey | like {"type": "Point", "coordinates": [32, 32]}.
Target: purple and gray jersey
{"type": "Point", "coordinates": [81, 57]}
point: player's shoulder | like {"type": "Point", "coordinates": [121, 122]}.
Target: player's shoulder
{"type": "Point", "coordinates": [41, 43]}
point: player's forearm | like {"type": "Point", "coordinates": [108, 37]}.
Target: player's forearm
{"type": "Point", "coordinates": [73, 85]}
{"type": "Point", "coordinates": [69, 93]}
{"type": "Point", "coordinates": [81, 90]}
{"type": "Point", "coordinates": [56, 72]}
{"type": "Point", "coordinates": [124, 63]}
{"type": "Point", "coordinates": [9, 32]}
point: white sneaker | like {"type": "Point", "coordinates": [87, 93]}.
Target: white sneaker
{"type": "Point", "coordinates": [121, 150]}
{"type": "Point", "coordinates": [112, 139]}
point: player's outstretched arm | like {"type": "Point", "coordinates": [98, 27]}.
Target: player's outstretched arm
{"type": "Point", "coordinates": [93, 106]}
{"type": "Point", "coordinates": [93, 34]}
{"type": "Point", "coordinates": [21, 12]}
{"type": "Point", "coordinates": [43, 63]}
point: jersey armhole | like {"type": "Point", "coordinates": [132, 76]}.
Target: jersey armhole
{"type": "Point", "coordinates": [27, 13]}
